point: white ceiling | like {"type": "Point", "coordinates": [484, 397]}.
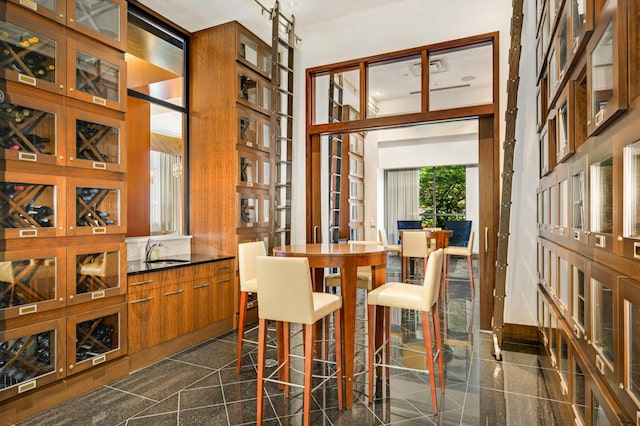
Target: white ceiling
{"type": "Point", "coordinates": [467, 76]}
{"type": "Point", "coordinates": [194, 15]}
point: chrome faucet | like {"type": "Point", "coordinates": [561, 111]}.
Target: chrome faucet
{"type": "Point", "coordinates": [149, 250]}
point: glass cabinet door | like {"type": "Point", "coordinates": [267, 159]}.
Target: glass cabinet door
{"type": "Point", "coordinates": [606, 67]}
{"type": "Point", "coordinates": [32, 127]}
{"type": "Point", "coordinates": [580, 303]}
{"type": "Point", "coordinates": [32, 356]}
{"type": "Point", "coordinates": [95, 141]}
{"type": "Point", "coordinates": [51, 9]}
{"type": "Point", "coordinates": [563, 205]}
{"type": "Point", "coordinates": [601, 205]}
{"type": "Point", "coordinates": [631, 199]}
{"type": "Point", "coordinates": [603, 320]}
{"type": "Point", "coordinates": [249, 214]}
{"type": "Point", "coordinates": [581, 22]}
{"type": "Point", "coordinates": [563, 282]}
{"type": "Point", "coordinates": [565, 55]}
{"type": "Point", "coordinates": [96, 74]}
{"type": "Point", "coordinates": [31, 281]}
{"type": "Point", "coordinates": [31, 50]}
{"type": "Point", "coordinates": [96, 337]}
{"type": "Point", "coordinates": [565, 118]}
{"type": "Point", "coordinates": [630, 386]}
{"type": "Point", "coordinates": [99, 272]}
{"type": "Point", "coordinates": [104, 20]}
{"type": "Point", "coordinates": [578, 391]}
{"type": "Point", "coordinates": [579, 200]}
{"type": "Point", "coordinates": [254, 52]}
{"type": "Point", "coordinates": [31, 206]}
{"type": "Point", "coordinates": [97, 207]}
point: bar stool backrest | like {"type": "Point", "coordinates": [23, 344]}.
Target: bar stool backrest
{"type": "Point", "coordinates": [415, 244]}
{"type": "Point", "coordinates": [285, 290]}
{"type": "Point", "coordinates": [247, 255]}
{"type": "Point", "coordinates": [431, 284]}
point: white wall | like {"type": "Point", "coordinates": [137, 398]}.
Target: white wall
{"type": "Point", "coordinates": [521, 271]}
{"type": "Point", "coordinates": [415, 23]}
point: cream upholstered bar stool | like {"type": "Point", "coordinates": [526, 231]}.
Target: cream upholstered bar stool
{"type": "Point", "coordinates": [423, 298]}
{"type": "Point", "coordinates": [465, 252]}
{"type": "Point", "coordinates": [415, 246]}
{"type": "Point", "coordinates": [285, 295]}
{"type": "Point", "coordinates": [247, 255]}
{"type": "Point", "coordinates": [392, 248]}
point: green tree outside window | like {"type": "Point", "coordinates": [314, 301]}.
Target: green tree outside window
{"type": "Point", "coordinates": [442, 195]}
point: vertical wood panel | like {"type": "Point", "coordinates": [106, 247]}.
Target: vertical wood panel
{"type": "Point", "coordinates": [138, 183]}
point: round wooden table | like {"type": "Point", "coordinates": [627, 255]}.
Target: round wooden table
{"type": "Point", "coordinates": [347, 257]}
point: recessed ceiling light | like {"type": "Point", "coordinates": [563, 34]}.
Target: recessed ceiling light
{"type": "Point", "coordinates": [468, 78]}
{"type": "Point", "coordinates": [292, 3]}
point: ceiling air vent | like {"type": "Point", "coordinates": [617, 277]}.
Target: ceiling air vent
{"type": "Point", "coordinates": [435, 66]}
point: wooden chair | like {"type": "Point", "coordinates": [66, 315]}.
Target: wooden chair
{"type": "Point", "coordinates": [247, 255]}
{"type": "Point", "coordinates": [422, 298]}
{"type": "Point", "coordinates": [285, 295]}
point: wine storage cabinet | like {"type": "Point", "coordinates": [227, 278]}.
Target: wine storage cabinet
{"type": "Point", "coordinates": [103, 20]}
{"type": "Point", "coordinates": [31, 357]}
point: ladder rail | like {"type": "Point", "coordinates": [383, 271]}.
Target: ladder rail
{"type": "Point", "coordinates": [282, 63]}
{"type": "Point", "coordinates": [497, 322]}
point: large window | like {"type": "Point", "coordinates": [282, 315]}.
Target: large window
{"type": "Point", "coordinates": [156, 74]}
{"type": "Point", "coordinates": [443, 193]}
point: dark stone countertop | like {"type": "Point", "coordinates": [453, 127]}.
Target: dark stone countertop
{"type": "Point", "coordinates": [140, 267]}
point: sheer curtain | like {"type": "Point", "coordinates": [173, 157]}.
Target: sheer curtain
{"type": "Point", "coordinates": [401, 199]}
{"type": "Point", "coordinates": [166, 192]}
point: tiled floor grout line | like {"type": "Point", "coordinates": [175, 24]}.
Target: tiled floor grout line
{"type": "Point", "coordinates": [131, 393]}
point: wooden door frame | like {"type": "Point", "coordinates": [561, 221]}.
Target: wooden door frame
{"type": "Point", "coordinates": [488, 148]}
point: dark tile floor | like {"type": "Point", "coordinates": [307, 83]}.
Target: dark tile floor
{"type": "Point", "coordinates": [200, 386]}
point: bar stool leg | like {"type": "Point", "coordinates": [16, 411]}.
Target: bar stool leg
{"type": "Point", "coordinates": [436, 325]}
{"type": "Point", "coordinates": [244, 296]}
{"type": "Point", "coordinates": [308, 371]}
{"type": "Point", "coordinates": [337, 315]}
{"type": "Point", "coordinates": [473, 286]}
{"type": "Point", "coordinates": [262, 346]}
{"type": "Point", "coordinates": [426, 327]}
{"type": "Point", "coordinates": [286, 346]}
{"type": "Point", "coordinates": [371, 317]}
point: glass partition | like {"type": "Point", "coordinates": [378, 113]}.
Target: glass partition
{"type": "Point", "coordinates": [461, 77]}
{"type": "Point", "coordinates": [395, 86]}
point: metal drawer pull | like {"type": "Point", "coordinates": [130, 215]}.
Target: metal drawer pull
{"type": "Point", "coordinates": [223, 267]}
{"type": "Point", "coordinates": [142, 282]}
{"type": "Point", "coordinates": [146, 299]}
{"type": "Point", "coordinates": [224, 281]}
{"type": "Point", "coordinates": [202, 286]}
{"type": "Point", "coordinates": [171, 293]}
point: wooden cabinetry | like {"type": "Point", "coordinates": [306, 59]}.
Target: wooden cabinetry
{"type": "Point", "coordinates": [588, 250]}
{"type": "Point", "coordinates": [237, 168]}
{"type": "Point", "coordinates": [62, 209]}
{"type": "Point", "coordinates": [170, 304]}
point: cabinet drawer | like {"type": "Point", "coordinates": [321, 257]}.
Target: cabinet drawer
{"type": "Point", "coordinates": [145, 319]}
